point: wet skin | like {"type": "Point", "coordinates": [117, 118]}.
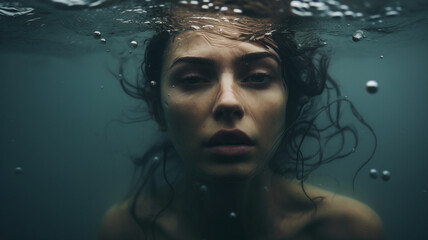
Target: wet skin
{"type": "Point", "coordinates": [210, 83]}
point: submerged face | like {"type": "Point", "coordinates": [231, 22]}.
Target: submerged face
{"type": "Point", "coordinates": [223, 102]}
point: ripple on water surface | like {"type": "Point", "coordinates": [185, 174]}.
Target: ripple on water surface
{"type": "Point", "coordinates": [53, 24]}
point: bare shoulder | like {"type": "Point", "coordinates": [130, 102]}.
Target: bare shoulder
{"type": "Point", "coordinates": [119, 224]}
{"type": "Point", "coordinates": [336, 217]}
{"type": "Point", "coordinates": [341, 217]}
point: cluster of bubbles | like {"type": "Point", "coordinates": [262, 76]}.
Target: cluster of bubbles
{"type": "Point", "coordinates": [10, 9]}
{"type": "Point", "coordinates": [335, 9]}
{"type": "Point", "coordinates": [80, 3]}
{"type": "Point", "coordinates": [206, 5]}
{"type": "Point", "coordinates": [97, 35]}
{"type": "Point", "coordinates": [386, 175]}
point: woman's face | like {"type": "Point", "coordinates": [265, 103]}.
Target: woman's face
{"type": "Point", "coordinates": [223, 102]}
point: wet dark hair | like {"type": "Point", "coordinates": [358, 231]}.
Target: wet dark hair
{"type": "Point", "coordinates": [305, 73]}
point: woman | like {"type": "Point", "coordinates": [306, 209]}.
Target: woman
{"type": "Point", "coordinates": [235, 98]}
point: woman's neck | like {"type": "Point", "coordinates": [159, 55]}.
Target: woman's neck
{"type": "Point", "coordinates": [224, 209]}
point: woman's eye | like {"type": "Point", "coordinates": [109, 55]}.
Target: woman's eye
{"type": "Point", "coordinates": [258, 78]}
{"type": "Point", "coordinates": [193, 80]}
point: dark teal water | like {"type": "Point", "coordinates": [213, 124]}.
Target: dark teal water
{"type": "Point", "coordinates": [59, 100]}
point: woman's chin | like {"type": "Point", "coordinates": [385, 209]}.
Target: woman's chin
{"type": "Point", "coordinates": [230, 172]}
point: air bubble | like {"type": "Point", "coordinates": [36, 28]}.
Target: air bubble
{"type": "Point", "coordinates": [225, 19]}
{"type": "Point", "coordinates": [18, 170]}
{"type": "Point", "coordinates": [333, 2]}
{"type": "Point", "coordinates": [358, 15]}
{"type": "Point", "coordinates": [375, 17]}
{"type": "Point", "coordinates": [103, 40]}
{"type": "Point", "coordinates": [194, 2]}
{"type": "Point", "coordinates": [102, 87]}
{"type": "Point", "coordinates": [386, 175]}
{"type": "Point", "coordinates": [349, 13]}
{"type": "Point", "coordinates": [205, 7]}
{"type": "Point", "coordinates": [358, 35]}
{"type": "Point", "coordinates": [344, 7]}
{"type": "Point", "coordinates": [372, 86]}
{"type": "Point", "coordinates": [299, 5]}
{"type": "Point", "coordinates": [381, 56]}
{"type": "Point", "coordinates": [224, 8]}
{"type": "Point", "coordinates": [391, 13]}
{"type": "Point", "coordinates": [155, 159]}
{"type": "Point", "coordinates": [266, 188]}
{"type": "Point", "coordinates": [336, 14]}
{"type": "Point", "coordinates": [300, 12]}
{"type": "Point", "coordinates": [203, 188]}
{"type": "Point", "coordinates": [373, 173]}
{"type": "Point", "coordinates": [232, 215]}
{"type": "Point", "coordinates": [97, 34]}
{"type": "Point", "coordinates": [316, 4]}
{"type": "Point", "coordinates": [208, 26]}
{"type": "Point", "coordinates": [134, 44]}
{"type": "Point", "coordinates": [237, 10]}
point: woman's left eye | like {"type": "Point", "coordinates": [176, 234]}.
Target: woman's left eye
{"type": "Point", "coordinates": [258, 78]}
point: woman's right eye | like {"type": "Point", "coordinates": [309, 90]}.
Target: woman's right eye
{"type": "Point", "coordinates": [192, 81]}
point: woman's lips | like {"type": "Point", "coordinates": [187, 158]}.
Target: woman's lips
{"type": "Point", "coordinates": [233, 142]}
{"type": "Point", "coordinates": [230, 150]}
{"type": "Point", "coordinates": [229, 137]}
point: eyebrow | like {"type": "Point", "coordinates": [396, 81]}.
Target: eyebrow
{"type": "Point", "coordinates": [250, 57]}
{"type": "Point", "coordinates": [193, 60]}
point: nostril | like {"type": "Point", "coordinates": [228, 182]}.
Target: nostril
{"type": "Point", "coordinates": [228, 112]}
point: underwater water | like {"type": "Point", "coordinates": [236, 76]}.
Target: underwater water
{"type": "Point", "coordinates": [65, 146]}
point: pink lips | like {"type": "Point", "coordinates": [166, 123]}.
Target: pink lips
{"type": "Point", "coordinates": [229, 143]}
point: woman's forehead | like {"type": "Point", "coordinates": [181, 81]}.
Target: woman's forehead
{"type": "Point", "coordinates": [210, 45]}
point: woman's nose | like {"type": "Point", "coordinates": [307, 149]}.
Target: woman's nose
{"type": "Point", "coordinates": [228, 105]}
